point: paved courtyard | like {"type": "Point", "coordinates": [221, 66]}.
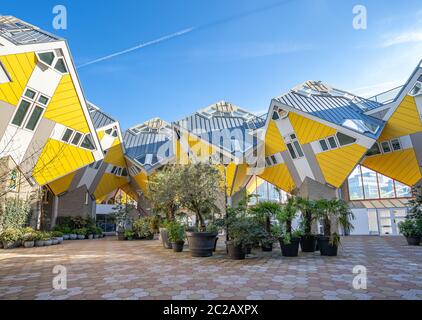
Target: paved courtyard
{"type": "Point", "coordinates": [111, 269]}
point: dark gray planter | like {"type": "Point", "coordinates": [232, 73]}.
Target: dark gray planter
{"type": "Point", "coordinates": [325, 248]}
{"type": "Point", "coordinates": [413, 241]}
{"type": "Point", "coordinates": [308, 243]}
{"type": "Point", "coordinates": [73, 236]}
{"type": "Point", "coordinates": [39, 243]}
{"type": "Point", "coordinates": [90, 236]}
{"type": "Point", "coordinates": [29, 244]}
{"type": "Point", "coordinates": [65, 237]}
{"type": "Point", "coordinates": [48, 242]}
{"type": "Point", "coordinates": [201, 244]}
{"type": "Point", "coordinates": [54, 241]}
{"type": "Point", "coordinates": [291, 249]}
{"type": "Point", "coordinates": [236, 252]}
{"type": "Point", "coordinates": [81, 237]}
{"type": "Point", "coordinates": [165, 238]}
{"type": "Point", "coordinates": [178, 246]}
{"type": "Point", "coordinates": [10, 244]}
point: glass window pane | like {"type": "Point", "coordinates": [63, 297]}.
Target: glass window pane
{"type": "Point", "coordinates": [332, 142]}
{"type": "Point", "coordinates": [386, 186]}
{"type": "Point", "coordinates": [344, 139]}
{"type": "Point", "coordinates": [375, 149]}
{"type": "Point", "coordinates": [47, 57]}
{"type": "Point", "coordinates": [323, 145]}
{"type": "Point", "coordinates": [115, 135]}
{"type": "Point", "coordinates": [298, 148]}
{"type": "Point", "coordinates": [67, 135]}
{"type": "Point", "coordinates": [30, 94]}
{"type": "Point", "coordinates": [21, 112]}
{"type": "Point", "coordinates": [275, 116]}
{"type": "Point", "coordinates": [355, 185]}
{"type": "Point", "coordinates": [88, 143]}
{"type": "Point", "coordinates": [108, 131]}
{"type": "Point", "coordinates": [274, 159]}
{"type": "Point", "coordinates": [385, 146]}
{"type": "Point", "coordinates": [42, 99]}
{"type": "Point", "coordinates": [370, 184]}
{"type": "Point", "coordinates": [292, 152]}
{"type": "Point", "coordinates": [395, 143]}
{"type": "Point", "coordinates": [402, 190]}
{"type": "Point", "coordinates": [60, 66]}
{"type": "Point", "coordinates": [76, 138]}
{"type": "Point", "coordinates": [34, 118]}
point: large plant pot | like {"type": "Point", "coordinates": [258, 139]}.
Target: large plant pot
{"type": "Point", "coordinates": [81, 237]}
{"type": "Point", "coordinates": [308, 243]}
{"type": "Point", "coordinates": [39, 243]}
{"type": "Point", "coordinates": [236, 252]}
{"type": "Point", "coordinates": [29, 244]}
{"type": "Point", "coordinates": [60, 239]}
{"type": "Point", "coordinates": [215, 244]}
{"type": "Point", "coordinates": [326, 248]}
{"type": "Point", "coordinates": [121, 235]}
{"type": "Point", "coordinates": [165, 238]}
{"type": "Point", "coordinates": [10, 244]}
{"type": "Point", "coordinates": [267, 247]}
{"type": "Point", "coordinates": [178, 246]}
{"type": "Point", "coordinates": [54, 241]}
{"type": "Point", "coordinates": [96, 236]}
{"type": "Point", "coordinates": [48, 242]}
{"type": "Point", "coordinates": [90, 236]}
{"type": "Point", "coordinates": [65, 237]}
{"type": "Point", "coordinates": [291, 249]}
{"type": "Point", "coordinates": [201, 244]}
{"type": "Point", "coordinates": [413, 241]}
{"type": "Point", "coordinates": [73, 236]}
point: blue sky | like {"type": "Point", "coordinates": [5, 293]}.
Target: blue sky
{"type": "Point", "coordinates": [237, 51]}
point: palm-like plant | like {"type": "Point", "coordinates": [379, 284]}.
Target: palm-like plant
{"type": "Point", "coordinates": [307, 208]}
{"type": "Point", "coordinates": [286, 214]}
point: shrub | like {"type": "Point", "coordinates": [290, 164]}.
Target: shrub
{"type": "Point", "coordinates": [409, 228]}
{"type": "Point", "coordinates": [142, 228]}
{"type": "Point", "coordinates": [11, 234]}
{"type": "Point", "coordinates": [80, 231]}
{"type": "Point", "coordinates": [16, 213]}
{"type": "Point", "coordinates": [176, 231]}
{"type": "Point", "coordinates": [129, 234]}
{"type": "Point", "coordinates": [58, 234]}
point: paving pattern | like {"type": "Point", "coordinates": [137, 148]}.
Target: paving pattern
{"type": "Point", "coordinates": [111, 269]}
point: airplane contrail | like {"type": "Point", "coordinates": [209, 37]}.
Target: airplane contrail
{"type": "Point", "coordinates": [142, 45]}
{"type": "Point", "coordinates": [188, 30]}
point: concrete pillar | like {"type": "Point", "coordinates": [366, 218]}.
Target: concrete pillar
{"type": "Point", "coordinates": [55, 211]}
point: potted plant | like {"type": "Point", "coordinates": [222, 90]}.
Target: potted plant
{"type": "Point", "coordinates": [243, 232]}
{"type": "Point", "coordinates": [263, 212]}
{"type": "Point", "coordinates": [73, 235]}
{"type": "Point", "coordinates": [57, 235]}
{"type": "Point", "coordinates": [308, 241]}
{"type": "Point", "coordinates": [28, 237]}
{"type": "Point", "coordinates": [176, 232]}
{"type": "Point", "coordinates": [11, 238]}
{"type": "Point", "coordinates": [46, 236]}
{"type": "Point", "coordinates": [80, 233]}
{"type": "Point", "coordinates": [328, 211]}
{"type": "Point", "coordinates": [289, 240]}
{"type": "Point", "coordinates": [129, 234]}
{"type": "Point", "coordinates": [142, 228]}
{"type": "Point", "coordinates": [213, 229]}
{"type": "Point", "coordinates": [409, 229]}
{"type": "Point", "coordinates": [98, 232]}
{"type": "Point", "coordinates": [39, 239]}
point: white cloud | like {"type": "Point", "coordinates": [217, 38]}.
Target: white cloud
{"type": "Point", "coordinates": [402, 38]}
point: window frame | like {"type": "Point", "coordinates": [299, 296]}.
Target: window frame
{"type": "Point", "coordinates": [6, 73]}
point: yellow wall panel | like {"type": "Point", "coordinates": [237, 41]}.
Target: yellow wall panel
{"type": "Point", "coordinates": [308, 130]}
{"type": "Point", "coordinates": [108, 183]}
{"type": "Point", "coordinates": [239, 179]}
{"type": "Point", "coordinates": [65, 107]}
{"type": "Point", "coordinates": [19, 67]}
{"type": "Point", "coordinates": [61, 185]}
{"type": "Point", "coordinates": [115, 155]}
{"type": "Point", "coordinates": [336, 165]}
{"type": "Point", "coordinates": [273, 141]}
{"type": "Point", "coordinates": [399, 165]}
{"type": "Point", "coordinates": [253, 184]}
{"type": "Point", "coordinates": [404, 121]}
{"type": "Point", "coordinates": [59, 159]}
{"type": "Point", "coordinates": [279, 176]}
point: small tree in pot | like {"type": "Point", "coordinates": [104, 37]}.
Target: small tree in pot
{"type": "Point", "coordinates": [411, 231]}
{"type": "Point", "coordinates": [289, 240]}
{"type": "Point", "coordinates": [263, 213]}
{"type": "Point", "coordinates": [199, 188]}
{"type": "Point", "coordinates": [307, 209]}
{"type": "Point", "coordinates": [327, 211]}
{"type": "Point", "coordinates": [163, 188]}
{"type": "Point", "coordinates": [177, 235]}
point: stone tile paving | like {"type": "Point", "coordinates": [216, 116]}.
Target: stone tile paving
{"type": "Point", "coordinates": [111, 269]}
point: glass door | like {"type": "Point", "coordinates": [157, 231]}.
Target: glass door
{"type": "Point", "coordinates": [385, 221]}
{"type": "Point", "coordinates": [399, 215]}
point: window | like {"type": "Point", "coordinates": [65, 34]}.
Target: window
{"type": "Point", "coordinates": [43, 100]}
{"type": "Point", "coordinates": [21, 113]}
{"type": "Point", "coordinates": [34, 118]}
{"type": "Point", "coordinates": [76, 138]}
{"type": "Point", "coordinates": [235, 145]}
{"type": "Point", "coordinates": [345, 139]}
{"type": "Point", "coordinates": [46, 57]}
{"type": "Point", "coordinates": [395, 143]}
{"type": "Point", "coordinates": [60, 66]}
{"type": "Point", "coordinates": [124, 172]}
{"type": "Point", "coordinates": [268, 161]}
{"type": "Point", "coordinates": [108, 131]}
{"type": "Point", "coordinates": [275, 116]}
{"type": "Point", "coordinates": [291, 150]}
{"type": "Point", "coordinates": [114, 134]}
{"type": "Point", "coordinates": [67, 134]}
{"type": "Point", "coordinates": [332, 142]}
{"type": "Point", "coordinates": [294, 147]}
{"type": "Point", "coordinates": [365, 184]}
{"type": "Point", "coordinates": [323, 145]}
{"type": "Point", "coordinates": [375, 149]}
{"type": "Point", "coordinates": [274, 160]}
{"type": "Point", "coordinates": [87, 142]}
{"type": "Point", "coordinates": [4, 76]}
{"type": "Point", "coordinates": [298, 149]}
{"type": "Point", "coordinates": [385, 145]}
{"type": "Point", "coordinates": [98, 164]}
{"type": "Point", "coordinates": [416, 89]}
{"type": "Point", "coordinates": [148, 159]}
{"type": "Point", "coordinates": [113, 170]}
{"type": "Point", "coordinates": [30, 94]}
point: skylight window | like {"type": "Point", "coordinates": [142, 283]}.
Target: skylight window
{"type": "Point", "coordinates": [416, 89]}
{"type": "Point", "coordinates": [360, 126]}
{"type": "Point", "coordinates": [4, 76]}
{"type": "Point", "coordinates": [47, 57]}
{"type": "Point", "coordinates": [87, 142]}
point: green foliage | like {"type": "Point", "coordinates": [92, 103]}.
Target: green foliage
{"type": "Point", "coordinates": [415, 204]}
{"type": "Point", "coordinates": [142, 227]}
{"type": "Point", "coordinates": [163, 191]}
{"type": "Point", "coordinates": [198, 190]}
{"type": "Point", "coordinates": [307, 208]}
{"type": "Point", "coordinates": [11, 234]}
{"type": "Point", "coordinates": [326, 210]}
{"type": "Point", "coordinates": [410, 228]}
{"type": "Point", "coordinates": [80, 231]}
{"type": "Point", "coordinates": [16, 213]}
{"type": "Point", "coordinates": [122, 216]}
{"type": "Point", "coordinates": [211, 227]}
{"type": "Point", "coordinates": [98, 231]}
{"type": "Point", "coordinates": [129, 234]}
{"type": "Point", "coordinates": [176, 231]}
{"type": "Point", "coordinates": [264, 212]}
{"type": "Point", "coordinates": [286, 215]}
{"type": "Point", "coordinates": [57, 234]}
